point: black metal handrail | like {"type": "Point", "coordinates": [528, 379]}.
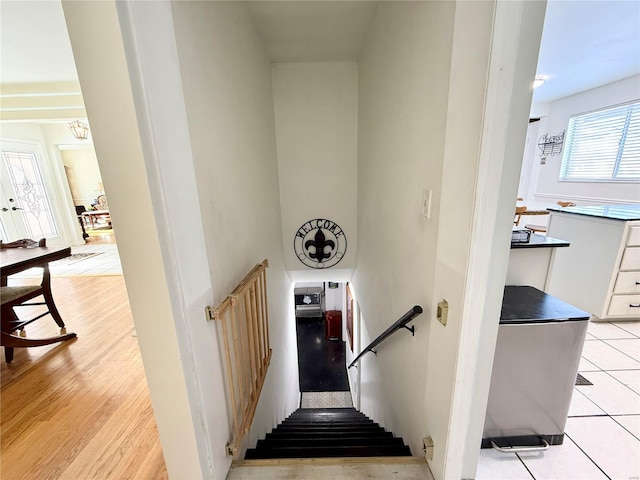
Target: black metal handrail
{"type": "Point", "coordinates": [400, 323]}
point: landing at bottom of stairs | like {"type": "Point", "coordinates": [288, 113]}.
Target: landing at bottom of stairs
{"type": "Point", "coordinates": [374, 468]}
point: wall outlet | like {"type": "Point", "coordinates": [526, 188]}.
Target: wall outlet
{"type": "Point", "coordinates": [427, 446]}
{"type": "Point", "coordinates": [426, 203]}
{"type": "Point", "coordinates": [443, 312]}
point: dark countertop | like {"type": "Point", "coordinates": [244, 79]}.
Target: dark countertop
{"type": "Point", "coordinates": [614, 212]}
{"type": "Point", "coordinates": [524, 304]}
{"type": "Point", "coordinates": [540, 241]}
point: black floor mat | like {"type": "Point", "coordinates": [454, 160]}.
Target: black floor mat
{"type": "Point", "coordinates": [321, 362]}
{"type": "Point", "coordinates": [580, 380]}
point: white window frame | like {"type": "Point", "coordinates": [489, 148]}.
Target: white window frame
{"type": "Point", "coordinates": [602, 144]}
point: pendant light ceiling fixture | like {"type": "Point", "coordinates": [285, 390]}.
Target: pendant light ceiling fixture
{"type": "Point", "coordinates": [79, 129]}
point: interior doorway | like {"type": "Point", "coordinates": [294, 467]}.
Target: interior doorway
{"type": "Point", "coordinates": [87, 192]}
{"type": "Point", "coordinates": [324, 382]}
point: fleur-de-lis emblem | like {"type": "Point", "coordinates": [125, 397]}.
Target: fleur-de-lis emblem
{"type": "Point", "coordinates": [319, 243]}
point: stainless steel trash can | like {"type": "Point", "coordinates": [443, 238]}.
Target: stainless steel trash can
{"type": "Point", "coordinates": [540, 340]}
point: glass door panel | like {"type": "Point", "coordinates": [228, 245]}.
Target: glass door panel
{"type": "Point", "coordinates": [26, 196]}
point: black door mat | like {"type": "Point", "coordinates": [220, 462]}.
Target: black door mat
{"type": "Point", "coordinates": [580, 380]}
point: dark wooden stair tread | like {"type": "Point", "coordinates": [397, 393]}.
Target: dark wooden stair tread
{"type": "Point", "coordinates": [332, 432]}
{"type": "Point", "coordinates": [322, 452]}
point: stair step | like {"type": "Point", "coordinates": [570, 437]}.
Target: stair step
{"type": "Point", "coordinates": [327, 434]}
{"type": "Point", "coordinates": [333, 413]}
{"type": "Point", "coordinates": [334, 451]}
{"type": "Point", "coordinates": [329, 442]}
{"type": "Point", "coordinates": [336, 423]}
{"type": "Point", "coordinates": [330, 413]}
{"type": "Point", "coordinates": [322, 433]}
{"type": "Point", "coordinates": [329, 428]}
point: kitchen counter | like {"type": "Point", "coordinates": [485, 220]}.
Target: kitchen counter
{"type": "Point", "coordinates": [540, 241]}
{"type": "Point", "coordinates": [613, 212]}
{"type": "Point", "coordinates": [600, 273]}
{"type": "Point", "coordinates": [529, 262]}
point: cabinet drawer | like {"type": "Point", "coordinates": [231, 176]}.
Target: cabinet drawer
{"type": "Point", "coordinates": [630, 259]}
{"type": "Point", "coordinates": [627, 282]}
{"type": "Point", "coordinates": [634, 236]}
{"type": "Point", "coordinates": [624, 305]}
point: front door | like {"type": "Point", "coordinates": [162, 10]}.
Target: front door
{"type": "Point", "coordinates": [25, 209]}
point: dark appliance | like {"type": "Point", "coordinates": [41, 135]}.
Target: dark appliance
{"type": "Point", "coordinates": [333, 325]}
{"type": "Point", "coordinates": [309, 302]}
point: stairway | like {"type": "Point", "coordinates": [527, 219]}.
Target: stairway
{"type": "Point", "coordinates": [328, 432]}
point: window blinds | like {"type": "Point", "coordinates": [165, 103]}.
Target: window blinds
{"type": "Point", "coordinates": [603, 145]}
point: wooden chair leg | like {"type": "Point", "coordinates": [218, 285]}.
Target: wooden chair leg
{"type": "Point", "coordinates": [48, 297]}
{"type": "Point", "coordinates": [8, 354]}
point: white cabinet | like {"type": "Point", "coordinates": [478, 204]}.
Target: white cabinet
{"type": "Point", "coordinates": [600, 271]}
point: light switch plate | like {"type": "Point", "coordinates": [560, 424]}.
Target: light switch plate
{"type": "Point", "coordinates": [426, 203]}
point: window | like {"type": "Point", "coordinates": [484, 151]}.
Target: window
{"type": "Point", "coordinates": [603, 146]}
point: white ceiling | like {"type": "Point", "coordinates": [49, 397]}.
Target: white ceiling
{"type": "Point", "coordinates": [312, 31]}
{"type": "Point", "coordinates": [585, 43]}
{"type": "Point", "coordinates": [34, 44]}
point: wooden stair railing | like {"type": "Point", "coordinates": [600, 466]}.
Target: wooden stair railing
{"type": "Point", "coordinates": [244, 322]}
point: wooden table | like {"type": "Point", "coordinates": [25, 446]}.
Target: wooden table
{"type": "Point", "coordinates": [92, 215]}
{"type": "Point", "coordinates": [15, 260]}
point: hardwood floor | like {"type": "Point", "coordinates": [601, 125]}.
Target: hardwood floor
{"type": "Point", "coordinates": [80, 410]}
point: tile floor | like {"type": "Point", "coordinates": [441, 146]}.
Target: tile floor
{"type": "Point", "coordinates": [602, 435]}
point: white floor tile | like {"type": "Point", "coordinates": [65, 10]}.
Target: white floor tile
{"type": "Point", "coordinates": [631, 378]}
{"type": "Point", "coordinates": [563, 462]}
{"type": "Point", "coordinates": [632, 327]}
{"type": "Point", "coordinates": [581, 406]}
{"type": "Point", "coordinates": [587, 366]}
{"type": "Point", "coordinates": [630, 422]}
{"type": "Point", "coordinates": [610, 395]}
{"type": "Point", "coordinates": [607, 331]}
{"type": "Point", "coordinates": [608, 358]}
{"type": "Point", "coordinates": [628, 346]}
{"type": "Point", "coordinates": [610, 446]}
{"type": "Point", "coordinates": [494, 465]}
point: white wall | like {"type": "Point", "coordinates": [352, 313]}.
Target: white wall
{"type": "Point", "coordinates": [229, 103]}
{"type": "Point", "coordinates": [166, 296]}
{"type": "Point", "coordinates": [81, 167]}
{"type": "Point", "coordinates": [403, 83]}
{"type": "Point", "coordinates": [545, 182]}
{"type": "Point", "coordinates": [316, 112]}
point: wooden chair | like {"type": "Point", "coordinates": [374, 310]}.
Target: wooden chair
{"type": "Point", "coordinates": [543, 228]}
{"type": "Point", "coordinates": [536, 228]}
{"type": "Point", "coordinates": [16, 296]}
{"type": "Point", "coordinates": [519, 212]}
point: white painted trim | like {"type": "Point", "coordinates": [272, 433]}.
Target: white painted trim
{"type": "Point", "coordinates": [515, 42]}
{"type": "Point", "coordinates": [141, 24]}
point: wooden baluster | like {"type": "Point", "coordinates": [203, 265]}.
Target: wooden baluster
{"type": "Point", "coordinates": [237, 348]}
{"type": "Point", "coordinates": [266, 306]}
{"type": "Point", "coordinates": [257, 329]}
{"type": "Point", "coordinates": [227, 346]}
{"type": "Point", "coordinates": [247, 309]}
{"type": "Point", "coordinates": [260, 321]}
